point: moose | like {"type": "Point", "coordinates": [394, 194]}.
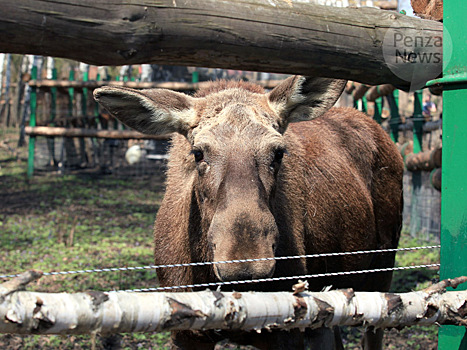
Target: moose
{"type": "Point", "coordinates": [257, 174]}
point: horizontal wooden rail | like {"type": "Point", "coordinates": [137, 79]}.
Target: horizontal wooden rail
{"type": "Point", "coordinates": [257, 35]}
{"type": "Point", "coordinates": [79, 132]}
{"type": "Point", "coordinates": [379, 91]}
{"type": "Point", "coordinates": [116, 312]}
{"type": "Point", "coordinates": [177, 86]}
{"type": "Point", "coordinates": [426, 161]}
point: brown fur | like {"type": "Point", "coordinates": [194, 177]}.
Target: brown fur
{"type": "Point", "coordinates": [338, 188]}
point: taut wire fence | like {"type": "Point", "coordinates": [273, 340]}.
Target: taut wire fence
{"type": "Point", "coordinates": [271, 279]}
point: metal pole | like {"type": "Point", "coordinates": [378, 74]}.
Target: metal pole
{"type": "Point", "coordinates": [32, 122]}
{"type": "Point", "coordinates": [364, 104]}
{"type": "Point", "coordinates": [417, 122]}
{"type": "Point", "coordinates": [53, 111]}
{"type": "Point", "coordinates": [377, 116]}
{"type": "Point", "coordinates": [454, 188]}
{"type": "Point", "coordinates": [415, 217]}
{"type": "Point", "coordinates": [393, 101]}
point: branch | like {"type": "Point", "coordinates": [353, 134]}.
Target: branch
{"type": "Point", "coordinates": [116, 312]}
{"type": "Point", "coordinates": [18, 283]}
{"type": "Point", "coordinates": [260, 35]}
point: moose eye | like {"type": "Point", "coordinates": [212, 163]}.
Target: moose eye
{"type": "Point", "coordinates": [278, 155]}
{"type": "Point", "coordinates": [199, 156]}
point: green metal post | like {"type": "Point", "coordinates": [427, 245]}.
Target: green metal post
{"type": "Point", "coordinates": [393, 101]}
{"type": "Point", "coordinates": [355, 103]}
{"type": "Point", "coordinates": [195, 77]}
{"type": "Point", "coordinates": [364, 104]}
{"type": "Point", "coordinates": [377, 115]}
{"type": "Point", "coordinates": [96, 105]}
{"type": "Point", "coordinates": [32, 122]}
{"type": "Point", "coordinates": [415, 221]}
{"type": "Point", "coordinates": [454, 169]}
{"type": "Point", "coordinates": [53, 115]}
{"type": "Point", "coordinates": [71, 93]}
{"type": "Point", "coordinates": [84, 99]}
{"type": "Point", "coordinates": [53, 102]}
{"type": "Point", "coordinates": [417, 122]}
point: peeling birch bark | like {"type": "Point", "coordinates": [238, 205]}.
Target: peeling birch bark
{"type": "Point", "coordinates": [115, 312]}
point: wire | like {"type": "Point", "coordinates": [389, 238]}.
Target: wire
{"type": "Point", "coordinates": [155, 267]}
{"type": "Point", "coordinates": [273, 279]}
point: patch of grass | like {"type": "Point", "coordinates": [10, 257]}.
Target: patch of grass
{"type": "Point", "coordinates": [76, 222]}
{"type": "Point", "coordinates": [145, 341]}
{"type": "Point", "coordinates": [408, 280]}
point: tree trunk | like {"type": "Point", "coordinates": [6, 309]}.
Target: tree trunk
{"type": "Point", "coordinates": [258, 35]}
{"type": "Point", "coordinates": [117, 312]}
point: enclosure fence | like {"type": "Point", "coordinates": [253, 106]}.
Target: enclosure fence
{"type": "Point", "coordinates": [131, 311]}
{"type": "Point", "coordinates": [272, 279]}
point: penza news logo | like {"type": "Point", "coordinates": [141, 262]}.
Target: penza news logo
{"type": "Point", "coordinates": [410, 44]}
{"type": "Point", "coordinates": [416, 56]}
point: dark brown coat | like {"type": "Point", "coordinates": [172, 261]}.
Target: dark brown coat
{"type": "Point", "coordinates": [249, 178]}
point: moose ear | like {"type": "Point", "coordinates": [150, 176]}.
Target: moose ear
{"type": "Point", "coordinates": [153, 111]}
{"type": "Point", "coordinates": [301, 98]}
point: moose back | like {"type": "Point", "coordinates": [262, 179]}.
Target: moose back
{"type": "Point", "coordinates": [255, 174]}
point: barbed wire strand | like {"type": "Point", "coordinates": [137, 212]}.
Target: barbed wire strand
{"type": "Point", "coordinates": [274, 279]}
{"type": "Point", "coordinates": [207, 263]}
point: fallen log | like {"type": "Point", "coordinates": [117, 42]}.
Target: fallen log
{"type": "Point", "coordinates": [258, 35]}
{"type": "Point", "coordinates": [116, 312]}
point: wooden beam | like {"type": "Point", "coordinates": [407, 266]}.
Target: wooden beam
{"type": "Point", "coordinates": [92, 84]}
{"type": "Point", "coordinates": [379, 91]}
{"type": "Point", "coordinates": [258, 35]}
{"type": "Point", "coordinates": [426, 161]}
{"type": "Point", "coordinates": [77, 132]}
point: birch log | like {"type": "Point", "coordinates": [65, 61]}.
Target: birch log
{"type": "Point", "coordinates": [260, 35]}
{"type": "Point", "coordinates": [115, 312]}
